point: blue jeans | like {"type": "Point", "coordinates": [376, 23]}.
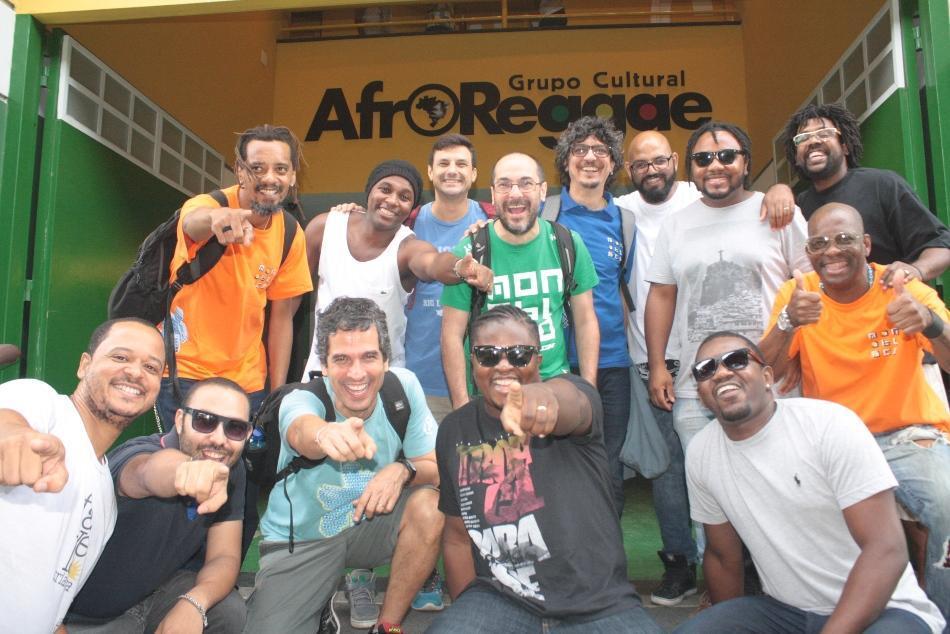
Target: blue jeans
{"type": "Point", "coordinates": [481, 610]}
{"type": "Point", "coordinates": [669, 493]}
{"type": "Point", "coordinates": [765, 615]}
{"type": "Point", "coordinates": [613, 384]}
{"type": "Point", "coordinates": [923, 488]}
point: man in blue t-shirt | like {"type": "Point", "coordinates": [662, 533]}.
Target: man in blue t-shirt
{"type": "Point", "coordinates": [355, 508]}
{"type": "Point", "coordinates": [588, 155]}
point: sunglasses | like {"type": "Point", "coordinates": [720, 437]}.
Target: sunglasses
{"type": "Point", "coordinates": [734, 360]}
{"type": "Point", "coordinates": [490, 356]}
{"type": "Point", "coordinates": [726, 157]}
{"type": "Point", "coordinates": [205, 423]}
{"type": "Point", "coordinates": [842, 240]}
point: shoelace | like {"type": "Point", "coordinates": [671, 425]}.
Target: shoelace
{"type": "Point", "coordinates": [361, 593]}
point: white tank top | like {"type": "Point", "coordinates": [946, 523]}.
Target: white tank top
{"type": "Point", "coordinates": [341, 275]}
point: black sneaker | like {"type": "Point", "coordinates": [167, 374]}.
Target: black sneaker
{"type": "Point", "coordinates": [329, 622]}
{"type": "Point", "coordinates": [679, 580]}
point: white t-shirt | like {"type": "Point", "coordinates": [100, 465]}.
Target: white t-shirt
{"type": "Point", "coordinates": [727, 266]}
{"type": "Point", "coordinates": [784, 489]}
{"type": "Point", "coordinates": [51, 541]}
{"type": "Point", "coordinates": [649, 219]}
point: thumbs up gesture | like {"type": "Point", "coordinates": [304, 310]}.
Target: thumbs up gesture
{"type": "Point", "coordinates": [346, 441]}
{"type": "Point", "coordinates": [530, 410]}
{"type": "Point", "coordinates": [473, 273]}
{"type": "Point", "coordinates": [904, 311]}
{"type": "Point", "coordinates": [805, 306]}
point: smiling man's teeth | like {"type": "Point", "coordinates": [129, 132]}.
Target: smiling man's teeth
{"type": "Point", "coordinates": [728, 387]}
{"type": "Point", "coordinates": [128, 389]}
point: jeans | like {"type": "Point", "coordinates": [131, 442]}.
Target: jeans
{"type": "Point", "coordinates": [923, 477]}
{"type": "Point", "coordinates": [225, 617]}
{"type": "Point", "coordinates": [765, 615]}
{"type": "Point", "coordinates": [167, 405]}
{"type": "Point", "coordinates": [689, 417]}
{"type": "Point", "coordinates": [669, 493]}
{"type": "Point", "coordinates": [481, 610]}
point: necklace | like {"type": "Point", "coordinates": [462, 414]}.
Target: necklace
{"type": "Point", "coordinates": [868, 273]}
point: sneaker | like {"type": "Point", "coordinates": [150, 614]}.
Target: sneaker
{"type": "Point", "coordinates": [429, 598]}
{"type": "Point", "coordinates": [679, 580]}
{"type": "Point", "coordinates": [384, 628]}
{"type": "Point", "coordinates": [329, 622]}
{"type": "Point", "coordinates": [361, 593]}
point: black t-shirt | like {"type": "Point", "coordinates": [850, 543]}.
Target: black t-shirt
{"type": "Point", "coordinates": [899, 224]}
{"type": "Point", "coordinates": [153, 537]}
{"type": "Point", "coordinates": [541, 517]}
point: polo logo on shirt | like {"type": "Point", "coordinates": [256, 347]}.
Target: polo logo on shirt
{"type": "Point", "coordinates": [884, 343]}
{"type": "Point", "coordinates": [264, 276]}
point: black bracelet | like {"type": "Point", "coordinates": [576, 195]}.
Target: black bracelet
{"type": "Point", "coordinates": [935, 329]}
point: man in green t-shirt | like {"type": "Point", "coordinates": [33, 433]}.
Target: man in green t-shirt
{"type": "Point", "coordinates": [527, 267]}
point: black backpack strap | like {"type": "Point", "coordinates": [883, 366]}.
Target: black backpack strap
{"type": "Point", "coordinates": [567, 255]}
{"type": "Point", "coordinates": [290, 231]}
{"type": "Point", "coordinates": [318, 388]}
{"type": "Point", "coordinates": [396, 404]}
{"type": "Point", "coordinates": [628, 235]}
{"type": "Point", "coordinates": [481, 252]}
{"type": "Point", "coordinates": [207, 256]}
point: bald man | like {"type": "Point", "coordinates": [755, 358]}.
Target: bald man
{"type": "Point", "coordinates": [859, 343]}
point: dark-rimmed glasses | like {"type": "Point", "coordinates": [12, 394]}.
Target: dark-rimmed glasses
{"type": "Point", "coordinates": [726, 157]}
{"type": "Point", "coordinates": [842, 240]}
{"type": "Point", "coordinates": [581, 149]}
{"type": "Point", "coordinates": [206, 422]}
{"type": "Point", "coordinates": [526, 185]}
{"type": "Point", "coordinates": [734, 360]}
{"type": "Point", "coordinates": [489, 356]}
{"type": "Point", "coordinates": [658, 163]}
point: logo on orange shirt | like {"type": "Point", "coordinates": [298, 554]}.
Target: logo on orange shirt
{"type": "Point", "coordinates": [884, 343]}
{"type": "Point", "coordinates": [264, 276]}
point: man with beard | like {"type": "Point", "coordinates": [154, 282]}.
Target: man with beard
{"type": "Point", "coordinates": [179, 495]}
{"type": "Point", "coordinates": [859, 344]}
{"type": "Point", "coordinates": [219, 320]}
{"type": "Point", "coordinates": [824, 144]}
{"type": "Point", "coordinates": [527, 266]}
{"type": "Point", "coordinates": [57, 505]}
{"type": "Point", "coordinates": [716, 265]}
{"type": "Point", "coordinates": [373, 255]}
{"type": "Point", "coordinates": [803, 484]}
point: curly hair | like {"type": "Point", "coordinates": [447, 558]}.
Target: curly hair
{"type": "Point", "coordinates": [712, 127]}
{"type": "Point", "coordinates": [346, 314]}
{"type": "Point", "coordinates": [505, 312]}
{"type": "Point", "coordinates": [605, 132]}
{"type": "Point", "coordinates": [842, 119]}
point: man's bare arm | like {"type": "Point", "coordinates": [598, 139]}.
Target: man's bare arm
{"type": "Point", "coordinates": [313, 234]}
{"type": "Point", "coordinates": [722, 562]}
{"type": "Point", "coordinates": [587, 331]}
{"type": "Point", "coordinates": [658, 322]}
{"type": "Point", "coordinates": [457, 556]}
{"type": "Point", "coordinates": [168, 473]}
{"type": "Point", "coordinates": [422, 261]}
{"type": "Point", "coordinates": [280, 339]}
{"type": "Point", "coordinates": [454, 359]}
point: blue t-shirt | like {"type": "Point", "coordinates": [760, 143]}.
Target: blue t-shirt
{"type": "Point", "coordinates": [424, 310]}
{"type": "Point", "coordinates": [602, 233]}
{"type": "Point", "coordinates": [323, 496]}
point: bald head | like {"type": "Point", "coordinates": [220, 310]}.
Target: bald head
{"type": "Point", "coordinates": [847, 217]}
{"type": "Point", "coordinates": [519, 159]}
{"type": "Point", "coordinates": [651, 164]}
{"type": "Point", "coordinates": [650, 142]}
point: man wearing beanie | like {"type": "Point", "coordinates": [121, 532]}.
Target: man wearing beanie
{"type": "Point", "coordinates": [373, 255]}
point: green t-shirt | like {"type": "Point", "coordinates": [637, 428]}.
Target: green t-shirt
{"type": "Point", "coordinates": [529, 276]}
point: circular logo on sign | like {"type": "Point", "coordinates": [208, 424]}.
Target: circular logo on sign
{"type": "Point", "coordinates": [433, 110]}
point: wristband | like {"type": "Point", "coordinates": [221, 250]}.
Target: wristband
{"type": "Point", "coordinates": [455, 269]}
{"type": "Point", "coordinates": [935, 329]}
{"type": "Point", "coordinates": [201, 609]}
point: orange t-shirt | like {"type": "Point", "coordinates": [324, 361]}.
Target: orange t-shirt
{"type": "Point", "coordinates": [854, 356]}
{"type": "Point", "coordinates": [219, 320]}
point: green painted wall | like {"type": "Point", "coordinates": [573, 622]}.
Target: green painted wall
{"type": "Point", "coordinates": [885, 137]}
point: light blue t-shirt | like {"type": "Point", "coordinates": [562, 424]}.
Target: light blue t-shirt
{"type": "Point", "coordinates": [424, 310]}
{"type": "Point", "coordinates": [323, 496]}
{"type": "Point", "coordinates": [602, 233]}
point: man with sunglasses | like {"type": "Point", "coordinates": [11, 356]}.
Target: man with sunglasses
{"type": "Point", "coordinates": [804, 486]}
{"type": "Point", "coordinates": [531, 539]}
{"type": "Point", "coordinates": [174, 558]}
{"type": "Point", "coordinates": [860, 344]}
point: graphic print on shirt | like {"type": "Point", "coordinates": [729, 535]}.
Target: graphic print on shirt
{"type": "Point", "coordinates": [337, 501]}
{"type": "Point", "coordinates": [516, 288]}
{"type": "Point", "coordinates": [67, 575]}
{"type": "Point", "coordinates": [497, 499]}
{"type": "Point", "coordinates": [729, 298]}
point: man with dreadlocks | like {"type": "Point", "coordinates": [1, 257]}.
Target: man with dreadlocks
{"type": "Point", "coordinates": [824, 144]}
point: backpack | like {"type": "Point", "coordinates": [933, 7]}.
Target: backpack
{"type": "Point", "coordinates": [146, 291]}
{"type": "Point", "coordinates": [261, 462]}
{"type": "Point", "coordinates": [551, 211]}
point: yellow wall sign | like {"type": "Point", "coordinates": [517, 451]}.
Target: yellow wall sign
{"type": "Point", "coordinates": [358, 102]}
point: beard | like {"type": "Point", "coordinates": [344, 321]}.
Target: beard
{"type": "Point", "coordinates": [659, 194]}
{"type": "Point", "coordinates": [262, 209]}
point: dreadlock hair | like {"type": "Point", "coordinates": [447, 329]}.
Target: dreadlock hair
{"type": "Point", "coordinates": [268, 132]}
{"type": "Point", "coordinates": [712, 127]}
{"type": "Point", "coordinates": [842, 119]}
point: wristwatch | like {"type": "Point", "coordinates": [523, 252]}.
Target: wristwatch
{"type": "Point", "coordinates": [411, 468]}
{"type": "Point", "coordinates": [783, 322]}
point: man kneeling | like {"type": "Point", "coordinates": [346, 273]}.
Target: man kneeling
{"type": "Point", "coordinates": [804, 485]}
{"type": "Point", "coordinates": [531, 539]}
{"type": "Point", "coordinates": [174, 558]}
{"type": "Point", "coordinates": [354, 507]}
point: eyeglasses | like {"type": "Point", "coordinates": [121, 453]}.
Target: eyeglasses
{"type": "Point", "coordinates": [526, 185]}
{"type": "Point", "coordinates": [659, 163]}
{"type": "Point", "coordinates": [581, 149]}
{"type": "Point", "coordinates": [734, 360]}
{"type": "Point", "coordinates": [822, 134]}
{"type": "Point", "coordinates": [843, 240]}
{"type": "Point", "coordinates": [490, 356]}
{"type": "Point", "coordinates": [205, 423]}
{"type": "Point", "coordinates": [726, 157]}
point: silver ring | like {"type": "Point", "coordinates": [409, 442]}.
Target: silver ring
{"type": "Point", "coordinates": [226, 229]}
{"type": "Point", "coordinates": [907, 272]}
{"type": "Point", "coordinates": [786, 208]}
{"type": "Point", "coordinates": [542, 408]}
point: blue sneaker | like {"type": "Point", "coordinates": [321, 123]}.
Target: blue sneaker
{"type": "Point", "coordinates": [429, 598]}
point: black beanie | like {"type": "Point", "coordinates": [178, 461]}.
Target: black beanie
{"type": "Point", "coordinates": [397, 168]}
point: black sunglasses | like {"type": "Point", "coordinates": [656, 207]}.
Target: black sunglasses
{"type": "Point", "coordinates": [490, 356]}
{"type": "Point", "coordinates": [205, 423]}
{"type": "Point", "coordinates": [726, 157]}
{"type": "Point", "coordinates": [734, 360]}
